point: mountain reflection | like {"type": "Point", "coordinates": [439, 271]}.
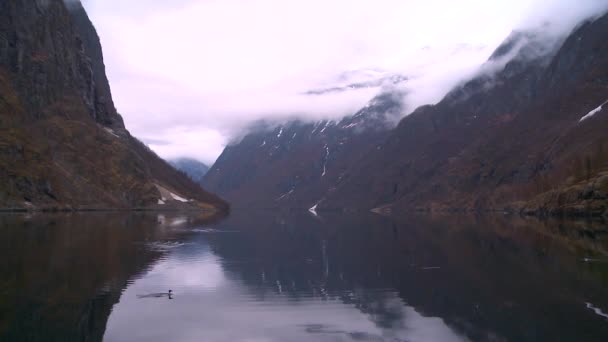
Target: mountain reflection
{"type": "Point", "coordinates": [61, 274]}
{"type": "Point", "coordinates": [264, 276]}
{"type": "Point", "coordinates": [475, 273]}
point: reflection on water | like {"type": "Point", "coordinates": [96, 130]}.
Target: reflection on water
{"type": "Point", "coordinates": [261, 276]}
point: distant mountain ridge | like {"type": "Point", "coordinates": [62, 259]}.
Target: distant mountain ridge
{"type": "Point", "coordinates": [512, 138]}
{"type": "Point", "coordinates": [512, 141]}
{"type": "Point", "coordinates": [195, 169]}
{"type": "Point", "coordinates": [63, 145]}
{"type": "Point", "coordinates": [296, 163]}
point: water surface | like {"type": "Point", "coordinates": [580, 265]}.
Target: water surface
{"type": "Point", "coordinates": [264, 276]}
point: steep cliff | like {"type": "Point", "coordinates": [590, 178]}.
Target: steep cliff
{"type": "Point", "coordinates": [62, 143]}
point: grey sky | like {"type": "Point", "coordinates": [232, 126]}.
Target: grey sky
{"type": "Point", "coordinates": [189, 75]}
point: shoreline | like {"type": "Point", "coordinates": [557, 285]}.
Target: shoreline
{"type": "Point", "coordinates": [73, 210]}
{"type": "Point", "coordinates": [385, 211]}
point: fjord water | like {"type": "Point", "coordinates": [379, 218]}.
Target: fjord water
{"type": "Point", "coordinates": [265, 276]}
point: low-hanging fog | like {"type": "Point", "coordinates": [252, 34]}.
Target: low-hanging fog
{"type": "Point", "coordinates": [189, 75]}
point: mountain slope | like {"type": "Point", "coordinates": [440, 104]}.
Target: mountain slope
{"type": "Point", "coordinates": [510, 139]}
{"type": "Point", "coordinates": [296, 164]}
{"type": "Point", "coordinates": [191, 167]}
{"type": "Point", "coordinates": [62, 143]}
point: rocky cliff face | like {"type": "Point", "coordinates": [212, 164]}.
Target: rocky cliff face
{"type": "Point", "coordinates": [62, 143]}
{"type": "Point", "coordinates": [296, 164]}
{"type": "Point", "coordinates": [511, 138]}
{"type": "Point", "coordinates": [104, 111]}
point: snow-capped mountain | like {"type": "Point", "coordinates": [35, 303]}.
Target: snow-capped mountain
{"type": "Point", "coordinates": [527, 133]}
{"type": "Point", "coordinates": [298, 162]}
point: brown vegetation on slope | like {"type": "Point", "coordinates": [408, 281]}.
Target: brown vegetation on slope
{"type": "Point", "coordinates": [500, 141]}
{"type": "Point", "coordinates": [62, 143]}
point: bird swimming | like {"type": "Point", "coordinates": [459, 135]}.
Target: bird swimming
{"type": "Point", "coordinates": [168, 294]}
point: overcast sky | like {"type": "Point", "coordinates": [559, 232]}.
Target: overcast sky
{"type": "Point", "coordinates": [189, 75]}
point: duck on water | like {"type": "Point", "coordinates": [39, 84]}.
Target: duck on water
{"type": "Point", "coordinates": [168, 294]}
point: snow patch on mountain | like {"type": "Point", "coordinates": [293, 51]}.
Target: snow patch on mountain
{"type": "Point", "coordinates": [285, 194]}
{"type": "Point", "coordinates": [593, 112]}
{"type": "Point", "coordinates": [178, 198]}
{"type": "Point", "coordinates": [326, 125]}
{"type": "Point", "coordinates": [597, 310]}
{"type": "Point", "coordinates": [313, 209]}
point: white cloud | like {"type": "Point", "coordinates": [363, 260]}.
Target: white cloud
{"type": "Point", "coordinates": [193, 73]}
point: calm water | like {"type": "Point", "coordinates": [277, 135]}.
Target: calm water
{"type": "Point", "coordinates": [262, 276]}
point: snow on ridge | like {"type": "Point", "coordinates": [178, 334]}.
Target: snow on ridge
{"type": "Point", "coordinates": [593, 112]}
{"type": "Point", "coordinates": [280, 132]}
{"type": "Point", "coordinates": [326, 125]}
{"type": "Point", "coordinates": [316, 127]}
{"type": "Point", "coordinates": [350, 126]}
{"type": "Point", "coordinates": [167, 194]}
{"type": "Point", "coordinates": [597, 310]}
{"type": "Point", "coordinates": [263, 143]}
{"type": "Point", "coordinates": [178, 198]}
{"type": "Point", "coordinates": [313, 209]}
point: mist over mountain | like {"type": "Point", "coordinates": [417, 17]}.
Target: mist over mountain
{"type": "Point", "coordinates": [253, 64]}
{"type": "Point", "coordinates": [360, 79]}
{"type": "Point", "coordinates": [303, 170]}
{"type": "Point", "coordinates": [524, 134]}
{"type": "Point", "coordinates": [293, 164]}
{"type": "Point", "coordinates": [364, 117]}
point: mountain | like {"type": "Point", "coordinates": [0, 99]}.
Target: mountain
{"type": "Point", "coordinates": [513, 138]}
{"type": "Point", "coordinates": [527, 134]}
{"type": "Point", "coordinates": [297, 163]}
{"type": "Point", "coordinates": [191, 167]}
{"type": "Point", "coordinates": [62, 143]}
